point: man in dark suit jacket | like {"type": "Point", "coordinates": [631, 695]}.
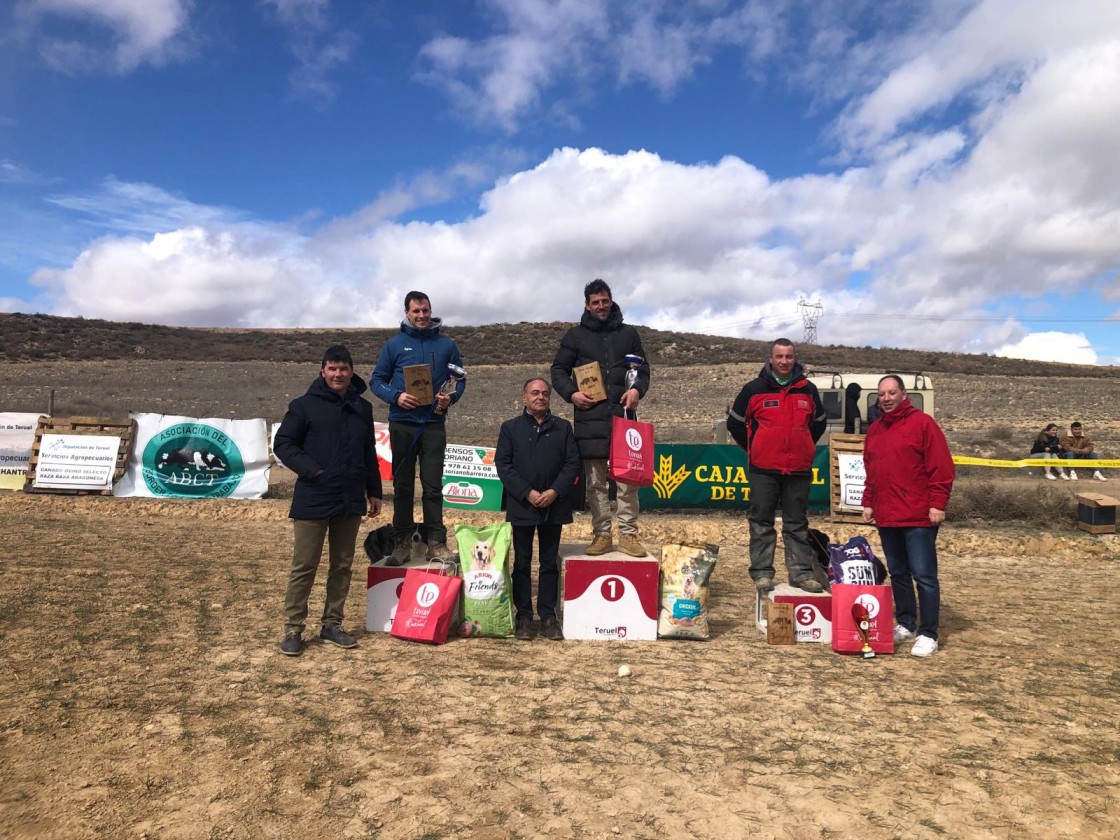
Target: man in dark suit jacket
{"type": "Point", "coordinates": [326, 439]}
{"type": "Point", "coordinates": [537, 461]}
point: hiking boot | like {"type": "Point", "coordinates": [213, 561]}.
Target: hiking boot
{"type": "Point", "coordinates": [924, 646]}
{"type": "Point", "coordinates": [440, 552]}
{"type": "Point", "coordinates": [764, 584]}
{"type": "Point", "coordinates": [901, 634]}
{"type": "Point", "coordinates": [524, 631]}
{"type": "Point", "coordinates": [401, 550]}
{"type": "Point", "coordinates": [600, 545]}
{"type": "Point", "coordinates": [292, 644]}
{"type": "Point", "coordinates": [630, 544]}
{"type": "Point", "coordinates": [334, 634]}
{"type": "Point", "coordinates": [550, 629]}
{"type": "Point", "coordinates": [808, 584]}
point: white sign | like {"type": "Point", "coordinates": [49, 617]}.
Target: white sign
{"type": "Point", "coordinates": [17, 434]}
{"type": "Point", "coordinates": [77, 462]}
{"type": "Point", "coordinates": [469, 462]}
{"type": "Point", "coordinates": [852, 480]}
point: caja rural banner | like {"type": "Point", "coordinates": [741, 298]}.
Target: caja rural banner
{"type": "Point", "coordinates": [191, 458]}
{"type": "Point", "coordinates": [17, 434]}
{"type": "Point", "coordinates": [714, 475]}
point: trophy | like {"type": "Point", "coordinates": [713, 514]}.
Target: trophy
{"type": "Point", "coordinates": [863, 624]}
{"type": "Point", "coordinates": [632, 374]}
{"type": "Point", "coordinates": [455, 375]}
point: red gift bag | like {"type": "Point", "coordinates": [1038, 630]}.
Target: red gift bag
{"type": "Point", "coordinates": [631, 458]}
{"type": "Point", "coordinates": [879, 603]}
{"type": "Point", "coordinates": [426, 609]}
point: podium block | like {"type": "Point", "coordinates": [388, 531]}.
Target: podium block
{"type": "Point", "coordinates": [612, 597]}
{"type": "Point", "coordinates": [812, 613]}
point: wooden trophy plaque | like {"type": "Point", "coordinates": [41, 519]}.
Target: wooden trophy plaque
{"type": "Point", "coordinates": [418, 382]}
{"type": "Point", "coordinates": [589, 379]}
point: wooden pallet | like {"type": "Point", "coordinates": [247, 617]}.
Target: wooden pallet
{"type": "Point", "coordinates": [848, 444]}
{"type": "Point", "coordinates": [126, 431]}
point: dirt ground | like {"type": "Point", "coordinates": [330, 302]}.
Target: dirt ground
{"type": "Point", "coordinates": [142, 693]}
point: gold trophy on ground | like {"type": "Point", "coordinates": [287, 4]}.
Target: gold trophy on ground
{"type": "Point", "coordinates": [863, 624]}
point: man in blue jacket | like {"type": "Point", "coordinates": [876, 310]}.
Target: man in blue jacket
{"type": "Point", "coordinates": [537, 460]}
{"type": "Point", "coordinates": [417, 432]}
{"type": "Point", "coordinates": [326, 439]}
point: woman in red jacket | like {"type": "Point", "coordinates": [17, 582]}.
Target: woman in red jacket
{"type": "Point", "coordinates": [909, 479]}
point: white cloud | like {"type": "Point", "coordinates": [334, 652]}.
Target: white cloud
{"type": "Point", "coordinates": [139, 32]}
{"type": "Point", "coordinates": [1070, 348]}
{"type": "Point", "coordinates": [317, 45]}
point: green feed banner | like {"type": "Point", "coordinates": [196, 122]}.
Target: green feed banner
{"type": "Point", "coordinates": [714, 475]}
{"type": "Point", "coordinates": [470, 479]}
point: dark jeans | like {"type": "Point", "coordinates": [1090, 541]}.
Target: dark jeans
{"type": "Point", "coordinates": [429, 450]}
{"type": "Point", "coordinates": [912, 560]}
{"type": "Point", "coordinates": [792, 493]}
{"type": "Point", "coordinates": [1070, 456]}
{"type": "Point", "coordinates": [548, 579]}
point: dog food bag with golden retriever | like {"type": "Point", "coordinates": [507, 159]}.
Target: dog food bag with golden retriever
{"type": "Point", "coordinates": [487, 587]}
{"type": "Point", "coordinates": [685, 570]}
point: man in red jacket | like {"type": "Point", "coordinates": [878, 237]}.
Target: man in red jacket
{"type": "Point", "coordinates": [778, 419]}
{"type": "Point", "coordinates": [909, 479]}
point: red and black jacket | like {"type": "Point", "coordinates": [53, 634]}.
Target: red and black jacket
{"type": "Point", "coordinates": [778, 425]}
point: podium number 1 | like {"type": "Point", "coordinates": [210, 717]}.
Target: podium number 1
{"type": "Point", "coordinates": [613, 588]}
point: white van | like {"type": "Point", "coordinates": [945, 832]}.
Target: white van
{"type": "Point", "coordinates": [832, 385]}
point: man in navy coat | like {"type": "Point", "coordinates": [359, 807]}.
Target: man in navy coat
{"type": "Point", "coordinates": [326, 439]}
{"type": "Point", "coordinates": [537, 460]}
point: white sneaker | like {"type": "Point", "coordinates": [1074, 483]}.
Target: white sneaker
{"type": "Point", "coordinates": [901, 634]}
{"type": "Point", "coordinates": [1051, 476]}
{"type": "Point", "coordinates": [924, 646]}
{"type": "Point", "coordinates": [1097, 475]}
{"type": "Point", "coordinates": [1065, 477]}
{"type": "Point", "coordinates": [1073, 475]}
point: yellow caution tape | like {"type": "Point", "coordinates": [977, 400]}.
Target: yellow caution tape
{"type": "Point", "coordinates": [1068, 463]}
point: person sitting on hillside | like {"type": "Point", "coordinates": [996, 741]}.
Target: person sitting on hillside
{"type": "Point", "coordinates": [851, 408]}
{"type": "Point", "coordinates": [1076, 445]}
{"type": "Point", "coordinates": [1047, 445]}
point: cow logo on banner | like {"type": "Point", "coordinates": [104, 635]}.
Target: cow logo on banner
{"type": "Point", "coordinates": [194, 460]}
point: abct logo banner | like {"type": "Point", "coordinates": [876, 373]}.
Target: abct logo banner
{"type": "Point", "coordinates": [191, 458]}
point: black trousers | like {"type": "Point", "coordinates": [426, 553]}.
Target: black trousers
{"type": "Point", "coordinates": [548, 578]}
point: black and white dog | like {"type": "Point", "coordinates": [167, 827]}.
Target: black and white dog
{"type": "Point", "coordinates": [380, 542]}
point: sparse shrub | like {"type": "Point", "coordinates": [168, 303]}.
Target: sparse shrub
{"type": "Point", "coordinates": [1047, 507]}
{"type": "Point", "coordinates": [1004, 433]}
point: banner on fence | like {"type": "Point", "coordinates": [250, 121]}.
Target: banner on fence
{"type": "Point", "coordinates": [17, 434]}
{"type": "Point", "coordinates": [470, 479]}
{"type": "Point", "coordinates": [77, 462]}
{"type": "Point", "coordinates": [714, 475]}
{"type": "Point", "coordinates": [197, 458]}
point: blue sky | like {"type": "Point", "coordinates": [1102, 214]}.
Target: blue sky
{"type": "Point", "coordinates": [937, 175]}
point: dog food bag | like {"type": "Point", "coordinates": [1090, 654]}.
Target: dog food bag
{"type": "Point", "coordinates": [484, 553]}
{"type": "Point", "coordinates": [685, 570]}
{"type": "Point", "coordinates": [855, 563]}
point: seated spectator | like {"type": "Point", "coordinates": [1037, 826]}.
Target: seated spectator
{"type": "Point", "coordinates": [1075, 445]}
{"type": "Point", "coordinates": [1047, 445]}
{"type": "Point", "coordinates": [851, 408]}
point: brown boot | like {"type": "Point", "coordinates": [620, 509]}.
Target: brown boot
{"type": "Point", "coordinates": [629, 544]}
{"type": "Point", "coordinates": [600, 545]}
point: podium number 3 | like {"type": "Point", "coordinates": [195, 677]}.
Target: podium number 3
{"type": "Point", "coordinates": [613, 588]}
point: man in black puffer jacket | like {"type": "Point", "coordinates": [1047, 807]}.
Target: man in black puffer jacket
{"type": "Point", "coordinates": [326, 439]}
{"type": "Point", "coordinates": [602, 337]}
